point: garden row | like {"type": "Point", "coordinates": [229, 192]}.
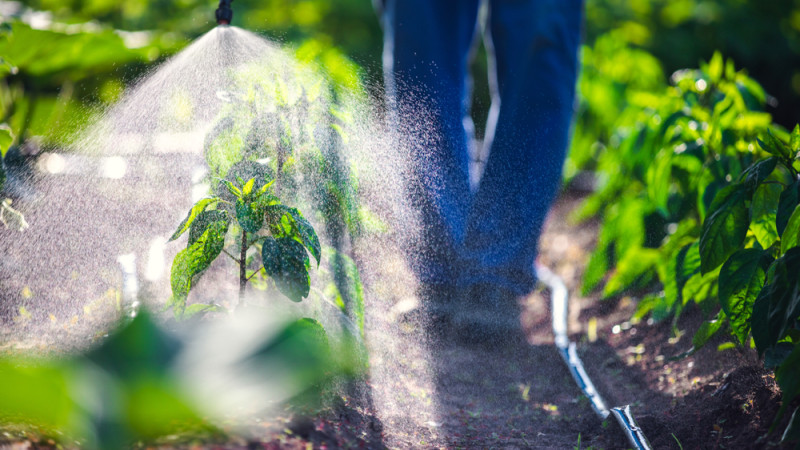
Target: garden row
{"type": "Point", "coordinates": [698, 193]}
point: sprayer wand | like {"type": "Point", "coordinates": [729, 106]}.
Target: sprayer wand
{"type": "Point", "coordinates": [224, 13]}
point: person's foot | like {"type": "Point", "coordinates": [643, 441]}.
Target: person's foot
{"type": "Point", "coordinates": [438, 302]}
{"type": "Point", "coordinates": [488, 314]}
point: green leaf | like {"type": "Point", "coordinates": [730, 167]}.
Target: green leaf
{"type": "Point", "coordinates": [136, 348]}
{"type": "Point", "coordinates": [700, 287]}
{"type": "Point", "coordinates": [741, 279]}
{"type": "Point", "coordinates": [706, 331]}
{"type": "Point", "coordinates": [775, 147]}
{"type": "Point", "coordinates": [285, 260]}
{"type": "Point", "coordinates": [194, 259]}
{"type": "Point", "coordinates": [154, 407]}
{"type": "Point", "coordinates": [763, 212]}
{"type": "Point", "coordinates": [725, 228]}
{"type": "Point", "coordinates": [794, 140]}
{"type": "Point", "coordinates": [791, 235]}
{"type": "Point", "coordinates": [307, 234]}
{"type": "Point", "coordinates": [249, 215]}
{"type": "Point", "coordinates": [38, 394]}
{"type": "Point", "coordinates": [232, 189]}
{"type": "Point", "coordinates": [635, 265]}
{"type": "Point", "coordinates": [248, 187]}
{"type": "Point", "coordinates": [301, 350]}
{"type": "Point", "coordinates": [205, 220]}
{"type": "Point", "coordinates": [777, 306]}
{"type": "Point", "coordinates": [348, 285]}
{"type": "Point", "coordinates": [789, 201]}
{"type": "Point", "coordinates": [787, 379]}
{"type": "Point", "coordinates": [754, 175]}
{"type": "Point", "coordinates": [6, 139]}
{"type": "Point", "coordinates": [680, 269]}
{"type": "Point", "coordinates": [198, 207]}
{"type": "Point", "coordinates": [290, 223]}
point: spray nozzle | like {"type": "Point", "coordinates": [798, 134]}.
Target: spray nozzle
{"type": "Point", "coordinates": [224, 13]}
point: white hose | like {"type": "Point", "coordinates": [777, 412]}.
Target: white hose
{"type": "Point", "coordinates": [559, 301]}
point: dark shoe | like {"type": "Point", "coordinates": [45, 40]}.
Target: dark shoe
{"type": "Point", "coordinates": [488, 314]}
{"type": "Point", "coordinates": [438, 307]}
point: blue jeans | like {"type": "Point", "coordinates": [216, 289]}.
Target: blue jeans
{"type": "Point", "coordinates": [489, 234]}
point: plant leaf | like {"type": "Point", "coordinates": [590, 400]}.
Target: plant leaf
{"type": "Point", "coordinates": [707, 330]}
{"type": "Point", "coordinates": [285, 260]}
{"type": "Point", "coordinates": [203, 221]}
{"type": "Point", "coordinates": [248, 187]}
{"type": "Point", "coordinates": [637, 263]}
{"type": "Point", "coordinates": [774, 146]}
{"type": "Point", "coordinates": [788, 202]}
{"type": "Point", "coordinates": [725, 228]}
{"type": "Point", "coordinates": [740, 281]}
{"type": "Point", "coordinates": [754, 175]}
{"type": "Point", "coordinates": [777, 306]}
{"type": "Point", "coordinates": [198, 207]}
{"type": "Point", "coordinates": [763, 212]}
{"type": "Point", "coordinates": [6, 139]}
{"type": "Point", "coordinates": [249, 215]}
{"type": "Point", "coordinates": [791, 235]}
{"type": "Point", "coordinates": [193, 260]}
{"type": "Point", "coordinates": [787, 379]}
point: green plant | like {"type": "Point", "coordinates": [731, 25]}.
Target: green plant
{"type": "Point", "coordinates": [258, 218]}
{"type": "Point", "coordinates": [694, 202]}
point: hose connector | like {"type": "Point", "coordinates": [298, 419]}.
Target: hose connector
{"type": "Point", "coordinates": [224, 13]}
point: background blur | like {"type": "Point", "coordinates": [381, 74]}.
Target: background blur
{"type": "Point", "coordinates": [63, 58]}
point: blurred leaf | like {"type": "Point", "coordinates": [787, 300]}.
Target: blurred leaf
{"type": "Point", "coordinates": [37, 392]}
{"type": "Point", "coordinates": [740, 281]}
{"type": "Point", "coordinates": [636, 264]}
{"type": "Point", "coordinates": [725, 229]}
{"type": "Point", "coordinates": [700, 287]}
{"type": "Point", "coordinates": [137, 348]}
{"type": "Point", "coordinates": [680, 269]}
{"type": "Point", "coordinates": [301, 349]}
{"type": "Point", "coordinates": [348, 285]}
{"type": "Point", "coordinates": [763, 212]}
{"type": "Point", "coordinates": [153, 407]}
{"type": "Point", "coordinates": [6, 139]}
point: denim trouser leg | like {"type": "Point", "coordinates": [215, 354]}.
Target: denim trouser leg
{"type": "Point", "coordinates": [535, 43]}
{"type": "Point", "coordinates": [427, 43]}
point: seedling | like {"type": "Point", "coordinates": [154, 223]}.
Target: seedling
{"type": "Point", "coordinates": [246, 206]}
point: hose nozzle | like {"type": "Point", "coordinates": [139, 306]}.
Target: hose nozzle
{"type": "Point", "coordinates": [224, 13]}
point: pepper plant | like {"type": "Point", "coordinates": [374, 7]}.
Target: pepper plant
{"type": "Point", "coordinates": [246, 206]}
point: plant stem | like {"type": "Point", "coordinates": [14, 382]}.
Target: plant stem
{"type": "Point", "coordinates": [243, 267]}
{"type": "Point", "coordinates": [230, 256]}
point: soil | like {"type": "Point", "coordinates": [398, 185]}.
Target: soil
{"type": "Point", "coordinates": [426, 392]}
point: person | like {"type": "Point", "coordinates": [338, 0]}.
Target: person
{"type": "Point", "coordinates": [477, 249]}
